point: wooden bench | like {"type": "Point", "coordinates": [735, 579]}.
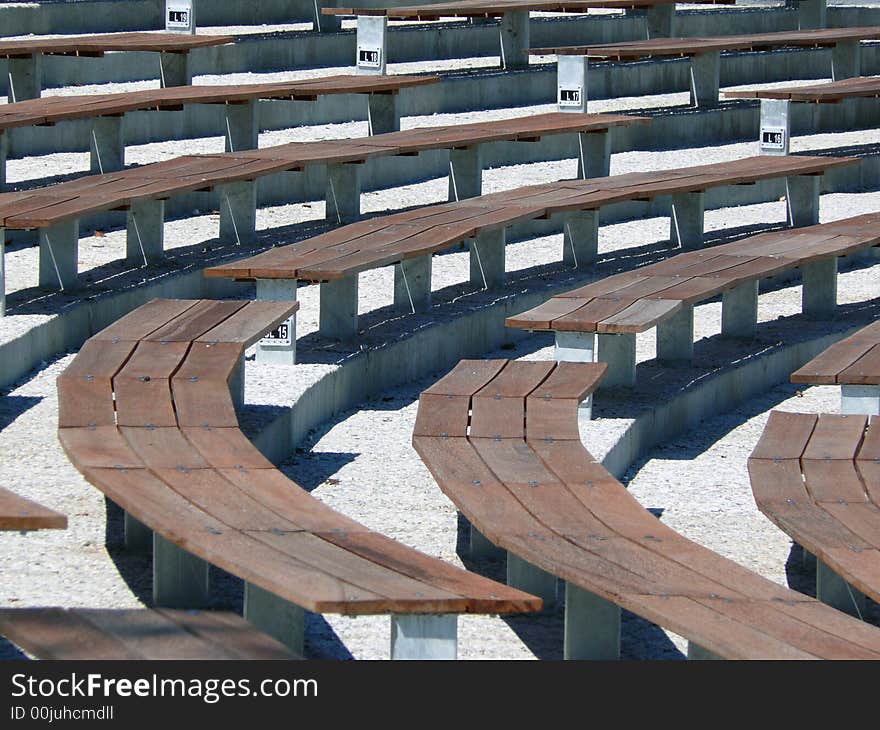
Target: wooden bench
{"type": "Point", "coordinates": [241, 127]}
{"type": "Point", "coordinates": [705, 58]}
{"type": "Point", "coordinates": [817, 479]}
{"type": "Point", "coordinates": [501, 439]}
{"type": "Point", "coordinates": [25, 56]}
{"type": "Point", "coordinates": [55, 211]}
{"type": "Point", "coordinates": [372, 23]}
{"type": "Point", "coordinates": [18, 513]}
{"type": "Point", "coordinates": [663, 295]}
{"type": "Point", "coordinates": [147, 414]}
{"type": "Point", "coordinates": [408, 240]}
{"type": "Point", "coordinates": [133, 634]}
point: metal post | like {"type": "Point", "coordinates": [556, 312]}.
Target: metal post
{"type": "Point", "coordinates": [487, 259]}
{"type": "Point", "coordinates": [238, 212]}
{"type": "Point", "coordinates": [174, 69]}
{"type": "Point", "coordinates": [242, 126]}
{"type": "Point", "coordinates": [858, 399]}
{"type": "Point", "coordinates": [739, 311]}
{"type": "Point", "coordinates": [819, 295]}
{"type": "Point", "coordinates": [180, 579]}
{"type": "Point", "coordinates": [107, 145]}
{"type": "Point", "coordinates": [278, 346]}
{"type": "Point", "coordinates": [571, 83]}
{"type": "Point", "coordinates": [59, 247]}
{"type": "Point", "coordinates": [594, 154]}
{"type": "Point", "coordinates": [592, 625]}
{"type": "Point", "coordinates": [280, 619]}
{"type": "Point", "coordinates": [705, 76]}
{"type": "Point", "coordinates": [834, 591]}
{"type": "Point", "coordinates": [412, 284]}
{"type": "Point", "coordinates": [465, 172]}
{"type": "Point", "coordinates": [580, 238]}
{"type": "Point", "coordinates": [236, 385]}
{"type": "Point", "coordinates": [661, 20]}
{"type": "Point", "coordinates": [481, 547]}
{"type": "Point", "coordinates": [343, 193]}
{"type": "Point", "coordinates": [802, 196]}
{"type": "Point", "coordinates": [675, 337]}
{"type": "Point", "coordinates": [372, 44]}
{"type": "Point", "coordinates": [687, 220]}
{"type": "Point", "coordinates": [4, 152]}
{"type": "Point", "coordinates": [526, 577]}
{"type": "Point", "coordinates": [2, 272]}
{"type": "Point", "coordinates": [326, 23]}
{"type": "Point", "coordinates": [515, 39]}
{"type": "Point", "coordinates": [774, 136]}
{"type": "Point", "coordinates": [145, 232]}
{"type": "Point", "coordinates": [577, 347]}
{"type": "Point", "coordinates": [811, 14]}
{"type": "Point", "coordinates": [383, 114]}
{"type": "Point", "coordinates": [25, 77]}
{"type": "Point", "coordinates": [338, 313]}
{"type": "Point", "coordinates": [846, 60]}
{"type": "Point", "coordinates": [424, 636]}
{"type": "Point", "coordinates": [619, 351]}
{"type": "Point", "coordinates": [138, 537]}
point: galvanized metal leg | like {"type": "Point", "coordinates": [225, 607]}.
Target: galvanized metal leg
{"type": "Point", "coordinates": [811, 14]}
{"type": "Point", "coordinates": [481, 547]}
{"type": "Point", "coordinates": [180, 580]}
{"type": "Point", "coordinates": [25, 77]}
{"type": "Point", "coordinates": [619, 351]}
{"type": "Point", "coordinates": [145, 232]}
{"type": "Point", "coordinates": [242, 126]}
{"type": "Point", "coordinates": [280, 619]}
{"type": "Point", "coordinates": [107, 145]}
{"type": "Point", "coordinates": [739, 311]}
{"type": "Point", "coordinates": [338, 315]}
{"type": "Point", "coordinates": [675, 337]}
{"type": "Point", "coordinates": [424, 636]}
{"type": "Point", "coordinates": [834, 591]}
{"type": "Point", "coordinates": [174, 69]}
{"type": "Point", "coordinates": [698, 653]}
{"type": "Point", "coordinates": [846, 60]}
{"type": "Point", "coordinates": [594, 154]}
{"type": "Point", "coordinates": [279, 346]}
{"type": "Point", "coordinates": [661, 21]}
{"type": "Point", "coordinates": [592, 625]}
{"type": "Point", "coordinates": [808, 560]}
{"type": "Point", "coordinates": [687, 220]}
{"type": "Point", "coordinates": [343, 193]}
{"type": "Point", "coordinates": [138, 537]}
{"type": "Point", "coordinates": [487, 259]}
{"type": "Point", "coordinates": [802, 196]}
{"type": "Point", "coordinates": [383, 113]}
{"type": "Point", "coordinates": [705, 79]}
{"type": "Point", "coordinates": [529, 578]}
{"type": "Point", "coordinates": [236, 385]}
{"type": "Point", "coordinates": [59, 247]}
{"type": "Point", "coordinates": [577, 347]}
{"type": "Point", "coordinates": [372, 43]}
{"type": "Point", "coordinates": [819, 295]}
{"type": "Point", "coordinates": [465, 172]}
{"type": "Point", "coordinates": [238, 212]}
{"type": "Point", "coordinates": [412, 284]}
{"type": "Point", "coordinates": [571, 83]}
{"type": "Point", "coordinates": [858, 399]}
{"type": "Point", "coordinates": [580, 238]}
{"type": "Point", "coordinates": [326, 23]}
{"type": "Point", "coordinates": [774, 137]}
{"type": "Point", "coordinates": [515, 39]}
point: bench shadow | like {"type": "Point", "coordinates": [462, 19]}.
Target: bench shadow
{"type": "Point", "coordinates": [13, 406]}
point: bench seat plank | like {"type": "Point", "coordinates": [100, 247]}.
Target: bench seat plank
{"type": "Point", "coordinates": [852, 360]}
{"type": "Point", "coordinates": [18, 513]}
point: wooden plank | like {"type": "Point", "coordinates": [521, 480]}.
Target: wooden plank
{"type": "Point", "coordinates": [785, 436]}
{"type": "Point", "coordinates": [552, 408]}
{"type": "Point", "coordinates": [250, 323]}
{"type": "Point", "coordinates": [836, 437]}
{"type": "Point", "coordinates": [18, 513]}
{"type": "Point", "coordinates": [640, 316]}
{"type": "Point", "coordinates": [864, 371]}
{"type": "Point", "coordinates": [142, 386]}
{"type": "Point", "coordinates": [499, 407]}
{"type": "Point", "coordinates": [85, 388]}
{"type": "Point", "coordinates": [200, 387]}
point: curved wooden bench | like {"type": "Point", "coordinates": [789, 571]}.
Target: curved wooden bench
{"type": "Point", "coordinates": [663, 295]}
{"type": "Point", "coordinates": [84, 633]}
{"type": "Point", "coordinates": [18, 513]}
{"type": "Point", "coordinates": [829, 92]}
{"type": "Point", "coordinates": [147, 416]}
{"type": "Point", "coordinates": [501, 439]}
{"type": "Point", "coordinates": [818, 479]}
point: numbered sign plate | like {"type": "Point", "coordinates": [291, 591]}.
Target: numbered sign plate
{"type": "Point", "coordinates": [369, 57]}
{"type": "Point", "coordinates": [773, 138]}
{"type": "Point", "coordinates": [179, 17]}
{"type": "Point", "coordinates": [570, 95]}
{"type": "Point", "coordinates": [279, 337]}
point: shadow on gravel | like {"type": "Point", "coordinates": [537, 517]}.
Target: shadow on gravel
{"type": "Point", "coordinates": [8, 651]}
{"type": "Point", "coordinates": [13, 406]}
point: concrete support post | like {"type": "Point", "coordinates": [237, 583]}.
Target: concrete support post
{"type": "Point", "coordinates": [481, 547]}
{"type": "Point", "coordinates": [383, 114]}
{"type": "Point", "coordinates": [661, 21]}
{"type": "Point", "coordinates": [372, 44]}
{"type": "Point", "coordinates": [592, 626]}
{"type": "Point", "coordinates": [236, 385]}
{"type": "Point", "coordinates": [515, 39]}
{"type": "Point", "coordinates": [2, 272]}
{"type": "Point", "coordinates": [238, 212]}
{"type": "Point", "coordinates": [338, 314]}
{"type": "Point", "coordinates": [580, 238]}
{"type": "Point", "coordinates": [278, 346]}
{"type": "Point", "coordinates": [705, 77]}
{"type": "Point", "coordinates": [280, 619]}
{"type": "Point", "coordinates": [343, 193]}
{"type": "Point", "coordinates": [860, 399]}
{"type": "Point", "coordinates": [107, 145]}
{"type": "Point", "coordinates": [138, 537]}
{"type": "Point", "coordinates": [174, 69]}
{"type": "Point", "coordinates": [487, 258]}
{"type": "Point", "coordinates": [811, 14]}
{"type": "Point", "coordinates": [819, 295]}
{"type": "Point", "coordinates": [412, 284]}
{"type": "Point", "coordinates": [687, 219]}
{"type": "Point", "coordinates": [145, 232]}
{"type": "Point", "coordinates": [675, 337]}
{"type": "Point", "coordinates": [571, 83]}
{"type": "Point", "coordinates": [834, 591]}
{"type": "Point", "coordinates": [774, 136]}
{"type": "Point", "coordinates": [465, 172]}
{"type": "Point", "coordinates": [577, 347]}
{"type": "Point", "coordinates": [25, 77]}
{"type": "Point", "coordinates": [846, 60]}
{"type": "Point", "coordinates": [619, 351]}
{"type": "Point", "coordinates": [242, 126]}
{"type": "Point", "coordinates": [4, 152]}
{"type": "Point", "coordinates": [59, 248]}
{"type": "Point", "coordinates": [180, 580]}
{"type": "Point", "coordinates": [594, 154]}
{"type": "Point", "coordinates": [739, 311]}
{"type": "Point", "coordinates": [424, 636]}
{"type": "Point", "coordinates": [698, 653]}
{"type": "Point", "coordinates": [526, 577]}
{"type": "Point", "coordinates": [802, 196]}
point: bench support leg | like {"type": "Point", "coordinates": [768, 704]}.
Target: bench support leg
{"type": "Point", "coordinates": [59, 248]}
{"type": "Point", "coordinates": [819, 295]}
{"type": "Point", "coordinates": [412, 284]}
{"type": "Point", "coordinates": [592, 626]}
{"type": "Point", "coordinates": [236, 385]}
{"type": "Point", "coordinates": [242, 126]}
{"type": "Point", "coordinates": [594, 154]}
{"type": "Point", "coordinates": [145, 232]}
{"type": "Point", "coordinates": [811, 14]}
{"type": "Point", "coordinates": [2, 272]}
{"type": "Point", "coordinates": [25, 77]}
{"type": "Point", "coordinates": [515, 39]}
{"type": "Point", "coordinates": [180, 580]}
{"type": "Point", "coordinates": [619, 351]}
{"type": "Point", "coordinates": [675, 337]}
{"type": "Point", "coordinates": [4, 152]}
{"type": "Point", "coordinates": [343, 193]}
{"type": "Point", "coordinates": [238, 212]}
{"type": "Point", "coordinates": [571, 83]}
{"type": "Point", "coordinates": [860, 399]}
{"type": "Point", "coordinates": [487, 259]}
{"type": "Point", "coordinates": [834, 591]}
{"type": "Point", "coordinates": [577, 347]}
{"type": "Point", "coordinates": [698, 653]}
{"type": "Point", "coordinates": [174, 69]}
{"type": "Point", "coordinates": [465, 173]}
{"type": "Point", "coordinates": [705, 79]}
{"type": "Point", "coordinates": [774, 135]}
{"type": "Point", "coordinates": [846, 60]}
{"type": "Point", "coordinates": [661, 21]}
{"type": "Point", "coordinates": [280, 619]}
{"type": "Point", "coordinates": [482, 547]}
{"type": "Point", "coordinates": [580, 239]}
{"type": "Point", "coordinates": [372, 44]}
{"type": "Point", "coordinates": [138, 537]}
{"type": "Point", "coordinates": [338, 314]}
{"type": "Point", "coordinates": [383, 113]}
{"type": "Point", "coordinates": [687, 220]}
{"type": "Point", "coordinates": [802, 196]}
{"type": "Point", "coordinates": [424, 636]}
{"type": "Point", "coordinates": [529, 578]}
{"type": "Point", "coordinates": [739, 311]}
{"type": "Point", "coordinates": [326, 23]}
{"type": "Point", "coordinates": [279, 346]}
{"type": "Point", "coordinates": [107, 145]}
